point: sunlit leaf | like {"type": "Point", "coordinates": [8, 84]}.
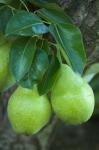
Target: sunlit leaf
{"type": "Point", "coordinates": [69, 38]}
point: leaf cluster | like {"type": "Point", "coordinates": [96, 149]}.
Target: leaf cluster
{"type": "Point", "coordinates": [43, 36]}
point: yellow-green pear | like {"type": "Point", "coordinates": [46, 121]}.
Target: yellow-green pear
{"type": "Point", "coordinates": [28, 112]}
{"type": "Point", "coordinates": [72, 97]}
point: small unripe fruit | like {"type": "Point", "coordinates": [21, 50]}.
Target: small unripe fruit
{"type": "Point", "coordinates": [72, 98]}
{"type": "Point", "coordinates": [27, 111]}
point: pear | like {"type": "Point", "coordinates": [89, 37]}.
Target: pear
{"type": "Point", "coordinates": [72, 98]}
{"type": "Point", "coordinates": [28, 112]}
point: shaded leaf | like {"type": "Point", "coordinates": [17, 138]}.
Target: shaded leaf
{"type": "Point", "coordinates": [5, 15]}
{"type": "Point", "coordinates": [46, 45]}
{"type": "Point", "coordinates": [42, 3]}
{"type": "Point", "coordinates": [95, 86]}
{"type": "Point", "coordinates": [37, 70]}
{"type": "Point", "coordinates": [21, 56]}
{"type": "Point", "coordinates": [54, 14]}
{"type": "Point", "coordinates": [3, 39]}
{"type": "Point", "coordinates": [49, 77]}
{"type": "Point", "coordinates": [43, 44]}
{"type": "Point", "coordinates": [95, 83]}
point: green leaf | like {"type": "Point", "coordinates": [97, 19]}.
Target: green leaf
{"type": "Point", "coordinates": [95, 83]}
{"type": "Point", "coordinates": [91, 72]}
{"type": "Point", "coordinates": [3, 39]}
{"type": "Point", "coordinates": [37, 70]}
{"type": "Point", "coordinates": [95, 86]}
{"type": "Point", "coordinates": [43, 44]}
{"type": "Point", "coordinates": [5, 1]}
{"type": "Point", "coordinates": [46, 45]}
{"type": "Point", "coordinates": [42, 3]}
{"type": "Point", "coordinates": [5, 15]}
{"type": "Point", "coordinates": [21, 56]}
{"type": "Point", "coordinates": [54, 14]}
{"type": "Point", "coordinates": [21, 23]}
{"type": "Point", "coordinates": [39, 29]}
{"type": "Point", "coordinates": [69, 39]}
{"type": "Point", "coordinates": [49, 77]}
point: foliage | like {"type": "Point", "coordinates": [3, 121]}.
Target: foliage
{"type": "Point", "coordinates": [42, 37]}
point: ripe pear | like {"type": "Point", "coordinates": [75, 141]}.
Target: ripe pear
{"type": "Point", "coordinates": [27, 111]}
{"type": "Point", "coordinates": [72, 97]}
